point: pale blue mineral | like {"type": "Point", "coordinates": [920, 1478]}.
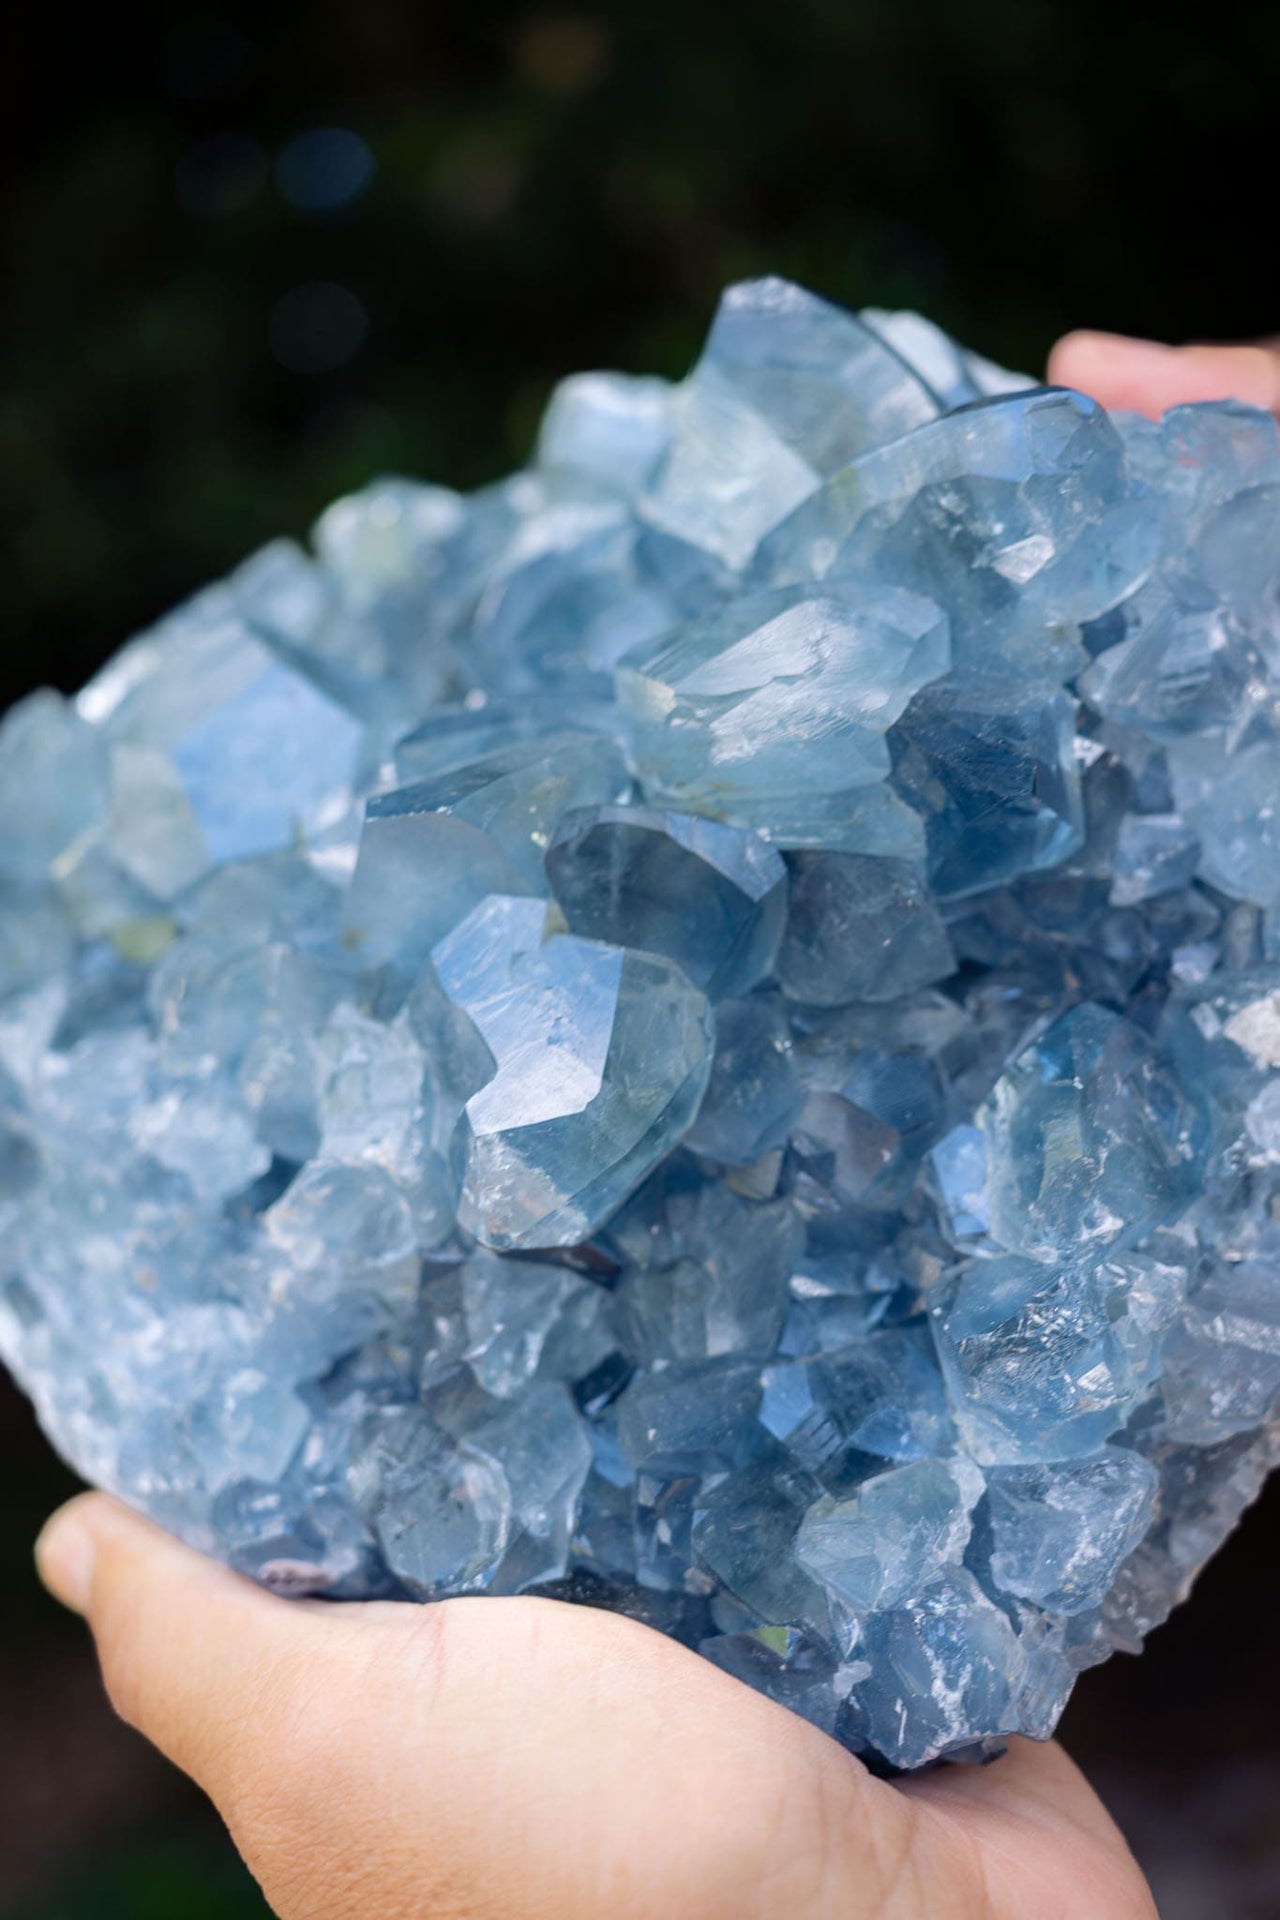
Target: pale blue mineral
{"type": "Point", "coordinates": [697, 1030]}
{"type": "Point", "coordinates": [788, 389]}
{"type": "Point", "coordinates": [601, 1055]}
{"type": "Point", "coordinates": [1061, 1532]}
{"type": "Point", "coordinates": [860, 928]}
{"type": "Point", "coordinates": [711, 897]}
{"type": "Point", "coordinates": [432, 851]}
{"type": "Point", "coordinates": [1087, 1141]}
{"type": "Point", "coordinates": [783, 695]}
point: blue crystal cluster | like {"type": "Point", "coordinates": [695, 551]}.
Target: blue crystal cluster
{"type": "Point", "coordinates": [696, 1031]}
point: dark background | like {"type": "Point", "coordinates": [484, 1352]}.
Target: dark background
{"type": "Point", "coordinates": [197, 356]}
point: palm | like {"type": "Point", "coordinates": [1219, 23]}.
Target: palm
{"type": "Point", "coordinates": [521, 1758]}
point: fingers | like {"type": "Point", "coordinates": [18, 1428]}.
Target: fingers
{"type": "Point", "coordinates": [520, 1759]}
{"type": "Point", "coordinates": [190, 1652]}
{"type": "Point", "coordinates": [1027, 1811]}
{"type": "Point", "coordinates": [1146, 377]}
{"type": "Point", "coordinates": [488, 1758]}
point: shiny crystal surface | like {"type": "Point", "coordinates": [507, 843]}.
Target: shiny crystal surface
{"type": "Point", "coordinates": [696, 1031]}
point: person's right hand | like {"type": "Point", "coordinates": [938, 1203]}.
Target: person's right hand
{"type": "Point", "coordinates": [491, 1759]}
{"type": "Point", "coordinates": [1144, 377]}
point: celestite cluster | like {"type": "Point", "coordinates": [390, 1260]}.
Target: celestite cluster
{"type": "Point", "coordinates": [698, 1030]}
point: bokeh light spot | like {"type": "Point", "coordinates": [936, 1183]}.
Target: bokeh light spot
{"type": "Point", "coordinates": [476, 181]}
{"type": "Point", "coordinates": [563, 52]}
{"type": "Point", "coordinates": [324, 168]}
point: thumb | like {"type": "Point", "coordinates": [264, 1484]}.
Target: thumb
{"type": "Point", "coordinates": [1144, 376]}
{"type": "Point", "coordinates": [495, 1757]}
{"type": "Point", "coordinates": [192, 1654]}
{"type": "Point", "coordinates": [518, 1759]}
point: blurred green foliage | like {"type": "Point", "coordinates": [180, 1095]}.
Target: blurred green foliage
{"type": "Point", "coordinates": [170, 1879]}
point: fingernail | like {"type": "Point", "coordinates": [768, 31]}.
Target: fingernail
{"type": "Point", "coordinates": [65, 1555]}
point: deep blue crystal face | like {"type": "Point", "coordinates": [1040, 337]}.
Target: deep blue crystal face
{"type": "Point", "coordinates": [702, 1023]}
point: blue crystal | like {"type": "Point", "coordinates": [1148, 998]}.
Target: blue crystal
{"type": "Point", "coordinates": [698, 1028]}
{"type": "Point", "coordinates": [557, 1330]}
{"type": "Point", "coordinates": [1086, 1142]}
{"type": "Point", "coordinates": [989, 764]}
{"type": "Point", "coordinates": [1182, 665]}
{"type": "Point", "coordinates": [780, 699]}
{"type": "Point", "coordinates": [219, 748]}
{"type": "Point", "coordinates": [880, 1544]}
{"type": "Point", "coordinates": [880, 1396]}
{"type": "Point", "coordinates": [727, 1293]}
{"type": "Point", "coordinates": [1046, 1362]}
{"type": "Point", "coordinates": [1016, 514]}
{"type": "Point", "coordinates": [601, 1057]}
{"type": "Point", "coordinates": [743, 1534]}
{"type": "Point", "coordinates": [860, 928]}
{"type": "Point", "coordinates": [710, 897]}
{"type": "Point", "coordinates": [431, 852]}
{"type": "Point", "coordinates": [1155, 853]}
{"type": "Point", "coordinates": [753, 1093]}
{"type": "Point", "coordinates": [53, 776]}
{"type": "Point", "coordinates": [788, 389]}
{"type": "Point", "coordinates": [441, 1508]}
{"type": "Point", "coordinates": [947, 1661]}
{"type": "Point", "coordinates": [692, 1417]}
{"type": "Point", "coordinates": [610, 429]}
{"type": "Point", "coordinates": [1060, 1533]}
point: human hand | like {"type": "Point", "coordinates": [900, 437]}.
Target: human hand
{"type": "Point", "coordinates": [1145, 377]}
{"type": "Point", "coordinates": [494, 1759]}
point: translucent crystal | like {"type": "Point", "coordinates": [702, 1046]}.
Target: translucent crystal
{"type": "Point", "coordinates": [601, 1059]}
{"type": "Point", "coordinates": [859, 928]}
{"type": "Point", "coordinates": [779, 700]}
{"type": "Point", "coordinates": [711, 897]}
{"type": "Point", "coordinates": [1155, 853]}
{"type": "Point", "coordinates": [990, 765]}
{"type": "Point", "coordinates": [947, 1661]}
{"type": "Point", "coordinates": [726, 1294]}
{"type": "Point", "coordinates": [432, 851]}
{"type": "Point", "coordinates": [881, 1544]}
{"type": "Point", "coordinates": [219, 748]}
{"type": "Point", "coordinates": [753, 1093]}
{"type": "Point", "coordinates": [881, 1395]}
{"type": "Point", "coordinates": [1060, 1533]}
{"type": "Point", "coordinates": [53, 776]}
{"type": "Point", "coordinates": [788, 389]}
{"type": "Point", "coordinates": [1046, 1362]}
{"type": "Point", "coordinates": [1016, 514]}
{"type": "Point", "coordinates": [1087, 1141]}
{"type": "Point", "coordinates": [607, 428]}
{"type": "Point", "coordinates": [696, 1030]}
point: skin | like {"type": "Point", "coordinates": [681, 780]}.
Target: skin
{"type": "Point", "coordinates": [1146, 377]}
{"type": "Point", "coordinates": [524, 1760]}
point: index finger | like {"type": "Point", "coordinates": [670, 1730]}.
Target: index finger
{"type": "Point", "coordinates": [1143, 376]}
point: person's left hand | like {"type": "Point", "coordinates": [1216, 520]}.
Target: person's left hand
{"type": "Point", "coordinates": [491, 1759]}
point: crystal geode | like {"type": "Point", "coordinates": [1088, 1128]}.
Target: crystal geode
{"type": "Point", "coordinates": [697, 1031]}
